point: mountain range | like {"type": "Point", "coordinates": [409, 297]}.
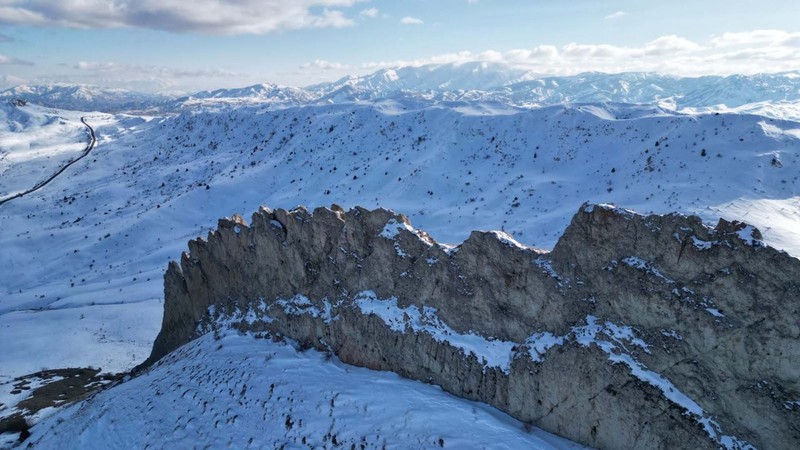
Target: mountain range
{"type": "Point", "coordinates": [475, 81]}
{"type": "Point", "coordinates": [456, 147]}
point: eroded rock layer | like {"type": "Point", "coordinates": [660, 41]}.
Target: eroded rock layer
{"type": "Point", "coordinates": [634, 332]}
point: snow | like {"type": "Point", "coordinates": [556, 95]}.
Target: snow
{"type": "Point", "coordinates": [300, 305]}
{"type": "Point", "coordinates": [640, 264]}
{"type": "Point", "coordinates": [103, 232]}
{"type": "Point", "coordinates": [83, 97]}
{"type": "Point", "coordinates": [770, 95]}
{"type": "Point", "coordinates": [547, 267]}
{"type": "Point", "coordinates": [701, 244]}
{"type": "Point", "coordinates": [672, 334]}
{"type": "Point", "coordinates": [393, 227]}
{"type": "Point", "coordinates": [507, 239]}
{"type": "Point", "coordinates": [113, 337]}
{"type": "Point", "coordinates": [588, 335]}
{"type": "Point", "coordinates": [32, 141]}
{"type": "Point", "coordinates": [491, 352]}
{"type": "Point", "coordinates": [96, 241]}
{"type": "Point", "coordinates": [539, 343]}
{"type": "Point", "coordinates": [242, 392]}
{"type": "Point", "coordinates": [746, 234]}
{"type": "Point", "coordinates": [399, 250]}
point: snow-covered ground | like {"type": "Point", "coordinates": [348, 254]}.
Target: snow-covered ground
{"type": "Point", "coordinates": [83, 258]}
{"type": "Point", "coordinates": [34, 140]}
{"type": "Point", "coordinates": [243, 392]}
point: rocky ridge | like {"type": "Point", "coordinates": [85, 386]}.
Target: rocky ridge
{"type": "Point", "coordinates": [634, 332]}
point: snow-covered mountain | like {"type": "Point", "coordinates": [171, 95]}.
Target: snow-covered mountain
{"type": "Point", "coordinates": [473, 81]}
{"type": "Point", "coordinates": [83, 258]}
{"type": "Point", "coordinates": [264, 94]}
{"type": "Point", "coordinates": [495, 82]}
{"type": "Point", "coordinates": [429, 78]}
{"type": "Point", "coordinates": [95, 242]}
{"type": "Point", "coordinates": [84, 98]}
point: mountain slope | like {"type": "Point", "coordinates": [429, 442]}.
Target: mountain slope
{"type": "Point", "coordinates": [99, 237]}
{"type": "Point", "coordinates": [33, 141]}
{"type": "Point", "coordinates": [242, 392]}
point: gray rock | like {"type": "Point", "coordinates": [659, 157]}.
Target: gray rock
{"type": "Point", "coordinates": [634, 332]}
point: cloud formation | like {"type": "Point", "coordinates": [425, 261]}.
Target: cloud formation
{"type": "Point", "coordinates": [408, 20]}
{"type": "Point", "coordinates": [196, 16]}
{"type": "Point", "coordinates": [369, 12]}
{"type": "Point", "coordinates": [616, 15]}
{"type": "Point", "coordinates": [9, 60]}
{"type": "Point", "coordinates": [145, 78]}
{"type": "Point", "coordinates": [742, 52]}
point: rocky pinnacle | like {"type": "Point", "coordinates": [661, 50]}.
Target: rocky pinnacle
{"type": "Point", "coordinates": [633, 332]}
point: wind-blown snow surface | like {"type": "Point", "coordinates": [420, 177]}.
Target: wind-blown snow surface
{"type": "Point", "coordinates": [243, 392]}
{"type": "Point", "coordinates": [102, 234]}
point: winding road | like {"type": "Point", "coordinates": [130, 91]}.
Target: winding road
{"type": "Point", "coordinates": [45, 182]}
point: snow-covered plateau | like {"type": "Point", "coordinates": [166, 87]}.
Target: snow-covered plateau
{"type": "Point", "coordinates": [82, 259]}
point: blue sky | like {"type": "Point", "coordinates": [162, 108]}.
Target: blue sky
{"type": "Point", "coordinates": [183, 45]}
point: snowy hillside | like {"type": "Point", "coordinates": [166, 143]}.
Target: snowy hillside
{"type": "Point", "coordinates": [32, 141]}
{"type": "Point", "coordinates": [87, 253]}
{"type": "Point", "coordinates": [242, 392]}
{"type": "Point", "coordinates": [84, 98]}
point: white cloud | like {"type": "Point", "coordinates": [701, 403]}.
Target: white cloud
{"type": "Point", "coordinates": [9, 81]}
{"type": "Point", "coordinates": [321, 64]}
{"type": "Point", "coordinates": [671, 44]}
{"type": "Point", "coordinates": [616, 15]}
{"type": "Point", "coordinates": [196, 16]}
{"type": "Point", "coordinates": [9, 60]}
{"type": "Point", "coordinates": [408, 20]}
{"type": "Point", "coordinates": [762, 37]}
{"type": "Point", "coordinates": [744, 53]}
{"type": "Point", "coordinates": [369, 12]}
{"type": "Point", "coordinates": [145, 77]}
{"type": "Point", "coordinates": [142, 71]}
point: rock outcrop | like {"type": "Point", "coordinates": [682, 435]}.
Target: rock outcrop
{"type": "Point", "coordinates": [634, 332]}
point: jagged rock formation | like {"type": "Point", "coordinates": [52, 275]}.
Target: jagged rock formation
{"type": "Point", "coordinates": [634, 332]}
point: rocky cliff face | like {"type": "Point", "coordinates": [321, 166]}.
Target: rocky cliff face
{"type": "Point", "coordinates": [634, 332]}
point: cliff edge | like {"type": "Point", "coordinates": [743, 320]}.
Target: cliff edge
{"type": "Point", "coordinates": [634, 332]}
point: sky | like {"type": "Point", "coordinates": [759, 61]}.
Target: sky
{"type": "Point", "coordinates": [185, 46]}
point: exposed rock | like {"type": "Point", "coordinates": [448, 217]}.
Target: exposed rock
{"type": "Point", "coordinates": [47, 389]}
{"type": "Point", "coordinates": [634, 332]}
